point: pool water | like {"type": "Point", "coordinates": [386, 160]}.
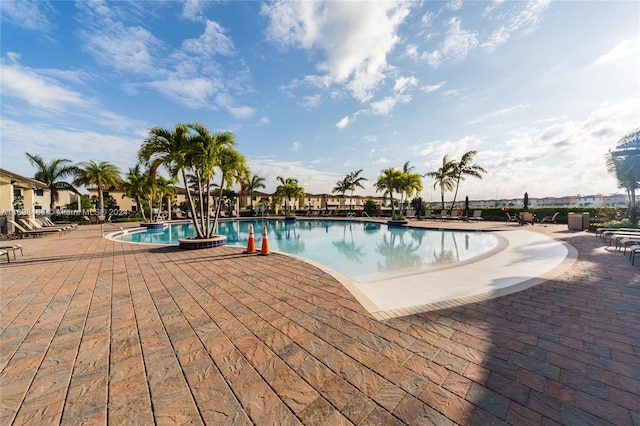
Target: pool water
{"type": "Point", "coordinates": [354, 249]}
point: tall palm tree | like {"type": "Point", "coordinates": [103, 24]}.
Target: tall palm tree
{"type": "Point", "coordinates": [211, 152]}
{"type": "Point", "coordinates": [342, 186]}
{"type": "Point", "coordinates": [251, 185]}
{"type": "Point", "coordinates": [52, 174]}
{"type": "Point", "coordinates": [288, 189]}
{"type": "Point", "coordinates": [165, 189]}
{"type": "Point", "coordinates": [410, 183]}
{"type": "Point", "coordinates": [103, 175]}
{"type": "Point", "coordinates": [626, 171]}
{"type": "Point", "coordinates": [173, 149]}
{"type": "Point", "coordinates": [353, 181]}
{"type": "Point", "coordinates": [444, 177]}
{"type": "Point", "coordinates": [387, 182]}
{"type": "Point", "coordinates": [135, 186]}
{"type": "Point", "coordinates": [464, 168]}
{"type": "Point", "coordinates": [233, 168]}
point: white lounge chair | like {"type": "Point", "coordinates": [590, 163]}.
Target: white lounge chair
{"type": "Point", "coordinates": [33, 232]}
{"type": "Point", "coordinates": [477, 215]}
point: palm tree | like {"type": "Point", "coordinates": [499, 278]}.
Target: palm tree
{"type": "Point", "coordinates": [353, 181]}
{"type": "Point", "coordinates": [389, 181]}
{"type": "Point", "coordinates": [213, 151]}
{"type": "Point", "coordinates": [233, 169]}
{"type": "Point", "coordinates": [103, 175]}
{"type": "Point", "coordinates": [342, 186]}
{"type": "Point", "coordinates": [626, 170]}
{"type": "Point", "coordinates": [410, 182]}
{"type": "Point", "coordinates": [165, 188]}
{"type": "Point", "coordinates": [251, 185]}
{"type": "Point", "coordinates": [136, 186]}
{"type": "Point", "coordinates": [51, 173]}
{"type": "Point", "coordinates": [173, 149]}
{"type": "Point", "coordinates": [464, 168]}
{"type": "Point", "coordinates": [444, 177]}
{"type": "Point", "coordinates": [288, 189]}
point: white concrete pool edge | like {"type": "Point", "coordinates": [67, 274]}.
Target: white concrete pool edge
{"type": "Point", "coordinates": [528, 260]}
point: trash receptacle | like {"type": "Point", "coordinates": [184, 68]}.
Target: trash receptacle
{"type": "Point", "coordinates": [578, 221]}
{"type": "Point", "coordinates": [574, 220]}
{"type": "Point", "coordinates": [585, 220]}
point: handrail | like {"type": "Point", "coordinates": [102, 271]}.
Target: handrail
{"type": "Point", "coordinates": [112, 224]}
{"type": "Point", "coordinates": [365, 214]}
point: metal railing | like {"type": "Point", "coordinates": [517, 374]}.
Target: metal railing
{"type": "Point", "coordinates": [112, 224]}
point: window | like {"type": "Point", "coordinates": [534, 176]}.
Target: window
{"type": "Point", "coordinates": [39, 192]}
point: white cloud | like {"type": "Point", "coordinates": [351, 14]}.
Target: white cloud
{"type": "Point", "coordinates": [432, 87]}
{"type": "Point", "coordinates": [455, 5]}
{"type": "Point", "coordinates": [264, 121]}
{"type": "Point", "coordinates": [124, 48]}
{"type": "Point", "coordinates": [384, 106]}
{"type": "Point", "coordinates": [381, 160]}
{"type": "Point", "coordinates": [313, 101]}
{"type": "Point", "coordinates": [404, 83]}
{"type": "Point", "coordinates": [343, 123]}
{"type": "Point", "coordinates": [524, 19]}
{"type": "Point", "coordinates": [353, 39]}
{"type": "Point", "coordinates": [296, 146]}
{"type": "Point", "coordinates": [28, 14]}
{"type": "Point", "coordinates": [497, 113]}
{"type": "Point", "coordinates": [189, 76]}
{"type": "Point", "coordinates": [411, 51]}
{"type": "Point", "coordinates": [458, 43]}
{"type": "Point", "coordinates": [312, 180]}
{"type": "Point", "coordinates": [74, 144]}
{"type": "Point", "coordinates": [39, 91]}
{"type": "Point", "coordinates": [619, 51]}
{"type": "Point", "coordinates": [212, 41]}
{"type": "Point", "coordinates": [193, 9]}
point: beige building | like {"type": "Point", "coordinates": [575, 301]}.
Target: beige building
{"type": "Point", "coordinates": [21, 196]}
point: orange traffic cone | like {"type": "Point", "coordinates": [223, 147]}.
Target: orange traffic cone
{"type": "Point", "coordinates": [265, 242]}
{"type": "Point", "coordinates": [251, 246]}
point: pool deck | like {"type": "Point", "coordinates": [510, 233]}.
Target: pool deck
{"type": "Point", "coordinates": [95, 331]}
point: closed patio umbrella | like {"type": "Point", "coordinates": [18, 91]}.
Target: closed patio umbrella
{"type": "Point", "coordinates": [526, 202]}
{"type": "Point", "coordinates": [466, 205]}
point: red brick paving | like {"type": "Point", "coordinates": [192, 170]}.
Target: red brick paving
{"type": "Point", "coordinates": [100, 332]}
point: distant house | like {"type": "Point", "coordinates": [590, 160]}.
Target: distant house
{"type": "Point", "coordinates": [21, 196]}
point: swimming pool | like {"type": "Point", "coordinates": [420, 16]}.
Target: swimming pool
{"type": "Point", "coordinates": [358, 250]}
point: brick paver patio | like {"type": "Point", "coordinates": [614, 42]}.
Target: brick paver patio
{"type": "Point", "coordinates": [100, 332]}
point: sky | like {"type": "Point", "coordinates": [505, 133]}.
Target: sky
{"type": "Point", "coordinates": [542, 90]}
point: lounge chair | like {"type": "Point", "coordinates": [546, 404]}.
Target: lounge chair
{"type": "Point", "coordinates": [48, 222]}
{"type": "Point", "coordinates": [35, 225]}
{"type": "Point", "coordinates": [5, 253]}
{"type": "Point", "coordinates": [551, 219]}
{"type": "Point", "coordinates": [510, 218]}
{"type": "Point", "coordinates": [34, 232]}
{"type": "Point", "coordinates": [626, 242]}
{"type": "Point", "coordinates": [477, 215]}
{"type": "Point", "coordinates": [13, 248]}
{"type": "Point", "coordinates": [633, 250]}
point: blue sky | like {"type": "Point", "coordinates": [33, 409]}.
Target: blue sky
{"type": "Point", "coordinates": [315, 90]}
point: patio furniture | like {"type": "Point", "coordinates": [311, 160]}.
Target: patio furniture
{"type": "Point", "coordinates": [13, 248]}
{"type": "Point", "coordinates": [550, 219]}
{"type": "Point", "coordinates": [33, 232]}
{"type": "Point", "coordinates": [477, 215]}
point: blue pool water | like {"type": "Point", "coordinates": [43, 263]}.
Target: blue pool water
{"type": "Point", "coordinates": [351, 248]}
